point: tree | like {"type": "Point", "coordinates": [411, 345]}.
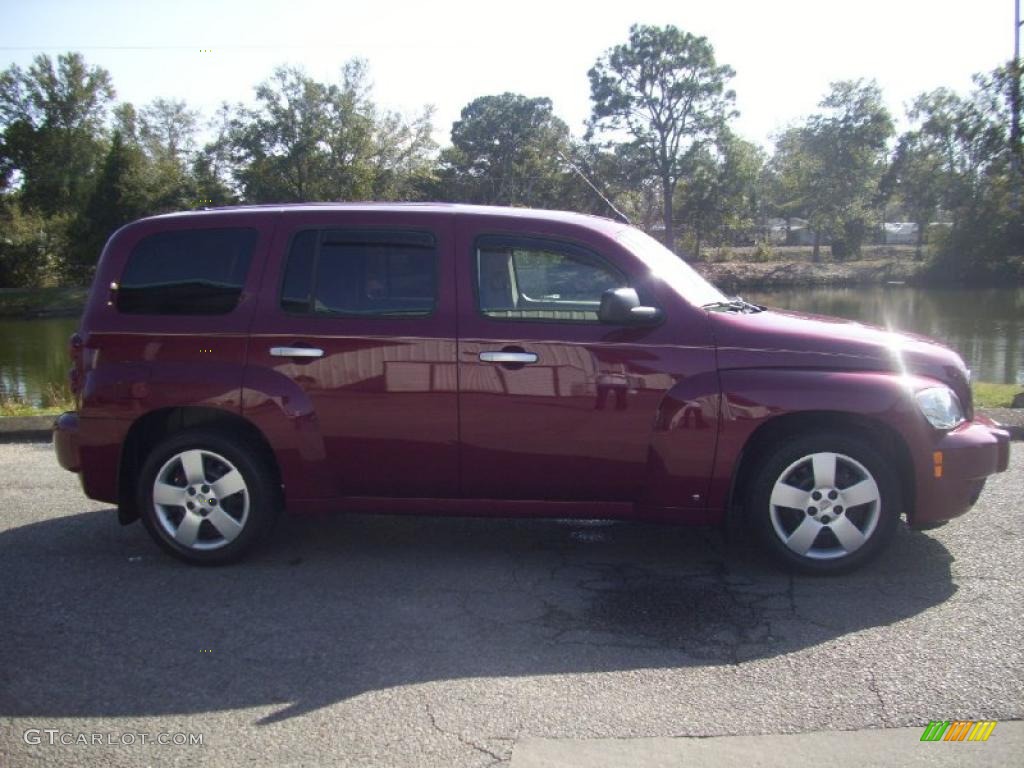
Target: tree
{"type": "Point", "coordinates": [403, 162]}
{"type": "Point", "coordinates": [506, 149]}
{"type": "Point", "coordinates": [666, 90]}
{"type": "Point", "coordinates": [52, 117]}
{"type": "Point", "coordinates": [211, 166]}
{"type": "Point", "coordinates": [829, 168]}
{"type": "Point", "coordinates": [308, 140]}
{"type": "Point", "coordinates": [915, 177]}
{"type": "Point", "coordinates": [977, 184]}
{"type": "Point", "coordinates": [168, 131]}
{"type": "Point", "coordinates": [118, 197]}
{"type": "Point", "coordinates": [719, 189]}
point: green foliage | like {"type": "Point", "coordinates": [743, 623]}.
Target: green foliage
{"type": "Point", "coordinates": [75, 166]}
{"type": "Point", "coordinates": [720, 188]}
{"type": "Point", "coordinates": [990, 395]}
{"type": "Point", "coordinates": [31, 245]}
{"type": "Point", "coordinates": [506, 149]}
{"type": "Point", "coordinates": [308, 140]}
{"type": "Point", "coordinates": [53, 117]}
{"type": "Point", "coordinates": [829, 168]}
{"type": "Point", "coordinates": [119, 196]}
{"type": "Point", "coordinates": [915, 178]}
{"type": "Point", "coordinates": [966, 140]}
{"type": "Point", "coordinates": [665, 89]}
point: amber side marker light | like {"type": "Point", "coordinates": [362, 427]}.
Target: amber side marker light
{"type": "Point", "coordinates": [937, 459]}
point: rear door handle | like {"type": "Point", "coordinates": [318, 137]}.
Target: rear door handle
{"type": "Point", "coordinates": [508, 357]}
{"type": "Point", "coordinates": [296, 352]}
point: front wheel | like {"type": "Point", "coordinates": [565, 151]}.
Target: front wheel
{"type": "Point", "coordinates": [824, 503]}
{"type": "Point", "coordinates": [204, 498]}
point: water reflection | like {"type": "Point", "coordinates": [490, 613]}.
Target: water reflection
{"type": "Point", "coordinates": [986, 326]}
{"type": "Point", "coordinates": [34, 355]}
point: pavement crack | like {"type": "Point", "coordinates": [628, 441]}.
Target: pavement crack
{"type": "Point", "coordinates": [468, 742]}
{"type": "Point", "coordinates": [873, 687]}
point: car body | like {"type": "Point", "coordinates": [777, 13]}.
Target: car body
{"type": "Point", "coordinates": [436, 358]}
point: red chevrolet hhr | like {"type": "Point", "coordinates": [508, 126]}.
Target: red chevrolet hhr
{"type": "Point", "coordinates": [455, 359]}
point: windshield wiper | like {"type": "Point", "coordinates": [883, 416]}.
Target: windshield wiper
{"type": "Point", "coordinates": [735, 304]}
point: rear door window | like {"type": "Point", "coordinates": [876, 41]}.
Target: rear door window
{"type": "Point", "coordinates": [360, 273]}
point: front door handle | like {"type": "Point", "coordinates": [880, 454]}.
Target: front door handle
{"type": "Point", "coordinates": [296, 352]}
{"type": "Point", "coordinates": [508, 357]}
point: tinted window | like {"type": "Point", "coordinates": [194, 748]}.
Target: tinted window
{"type": "Point", "coordinates": [187, 272]}
{"type": "Point", "coordinates": [534, 280]}
{"type": "Point", "coordinates": [361, 273]}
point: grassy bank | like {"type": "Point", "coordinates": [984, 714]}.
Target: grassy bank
{"type": "Point", "coordinates": [988, 395]}
{"type": "Point", "coordinates": [56, 399]}
{"type": "Point", "coordinates": [26, 303]}
{"type": "Point", "coordinates": [805, 253]}
{"type": "Point", "coordinates": [750, 268]}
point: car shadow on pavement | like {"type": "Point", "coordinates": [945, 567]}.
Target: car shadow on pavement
{"type": "Point", "coordinates": [98, 622]}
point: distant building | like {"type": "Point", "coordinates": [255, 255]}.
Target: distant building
{"type": "Point", "coordinates": [899, 233]}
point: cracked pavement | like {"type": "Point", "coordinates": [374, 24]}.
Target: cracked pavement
{"type": "Point", "coordinates": [361, 640]}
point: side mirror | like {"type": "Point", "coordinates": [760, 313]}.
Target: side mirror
{"type": "Point", "coordinates": [621, 306]}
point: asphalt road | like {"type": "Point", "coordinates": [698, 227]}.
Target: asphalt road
{"type": "Point", "coordinates": [406, 641]}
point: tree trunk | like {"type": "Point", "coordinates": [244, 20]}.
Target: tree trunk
{"type": "Point", "coordinates": [920, 240]}
{"type": "Point", "coordinates": [816, 253]}
{"type": "Point", "coordinates": [666, 194]}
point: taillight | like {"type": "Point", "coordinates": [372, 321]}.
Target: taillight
{"type": "Point", "coordinates": [75, 375]}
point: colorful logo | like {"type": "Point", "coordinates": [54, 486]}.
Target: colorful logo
{"type": "Point", "coordinates": [958, 730]}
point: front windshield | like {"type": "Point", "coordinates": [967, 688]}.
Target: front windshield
{"type": "Point", "coordinates": [675, 272]}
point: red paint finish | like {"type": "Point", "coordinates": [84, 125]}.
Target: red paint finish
{"type": "Point", "coordinates": [578, 423]}
{"type": "Point", "coordinates": [377, 415]}
{"type": "Point", "coordinates": [401, 414]}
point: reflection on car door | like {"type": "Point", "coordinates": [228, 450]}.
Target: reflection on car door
{"type": "Point", "coordinates": [554, 405]}
{"type": "Point", "coordinates": [362, 320]}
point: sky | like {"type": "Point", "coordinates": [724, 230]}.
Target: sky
{"type": "Point", "coordinates": [446, 53]}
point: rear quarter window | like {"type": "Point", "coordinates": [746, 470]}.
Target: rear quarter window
{"type": "Point", "coordinates": [187, 272]}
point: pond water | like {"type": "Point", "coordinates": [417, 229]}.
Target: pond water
{"type": "Point", "coordinates": [985, 326]}
{"type": "Point", "coordinates": [34, 355]}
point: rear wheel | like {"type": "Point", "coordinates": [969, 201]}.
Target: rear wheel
{"type": "Point", "coordinates": [205, 499]}
{"type": "Point", "coordinates": [824, 503]}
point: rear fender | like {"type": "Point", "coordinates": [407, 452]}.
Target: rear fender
{"type": "Point", "coordinates": [282, 411]}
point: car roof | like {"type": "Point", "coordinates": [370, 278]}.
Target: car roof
{"type": "Point", "coordinates": [568, 217]}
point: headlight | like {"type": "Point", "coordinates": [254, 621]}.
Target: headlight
{"type": "Point", "coordinates": [940, 406]}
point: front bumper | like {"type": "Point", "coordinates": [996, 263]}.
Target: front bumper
{"type": "Point", "coordinates": [65, 441]}
{"type": "Point", "coordinates": [950, 480]}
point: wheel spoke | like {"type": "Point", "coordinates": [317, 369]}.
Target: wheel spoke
{"type": "Point", "coordinates": [188, 530]}
{"type": "Point", "coordinates": [849, 535]}
{"type": "Point", "coordinates": [802, 539]}
{"type": "Point", "coordinates": [861, 493]}
{"type": "Point", "coordinates": [824, 469]}
{"type": "Point", "coordinates": [168, 495]}
{"type": "Point", "coordinates": [784, 495]}
{"type": "Point", "coordinates": [192, 463]}
{"type": "Point", "coordinates": [225, 524]}
{"type": "Point", "coordinates": [231, 483]}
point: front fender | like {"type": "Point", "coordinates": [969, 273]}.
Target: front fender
{"type": "Point", "coordinates": [683, 446]}
{"type": "Point", "coordinates": [752, 398]}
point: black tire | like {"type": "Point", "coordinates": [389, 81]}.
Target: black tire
{"type": "Point", "coordinates": [253, 509]}
{"type": "Point", "coordinates": [792, 463]}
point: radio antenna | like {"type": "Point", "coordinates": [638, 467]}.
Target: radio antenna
{"type": "Point", "coordinates": [590, 184]}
